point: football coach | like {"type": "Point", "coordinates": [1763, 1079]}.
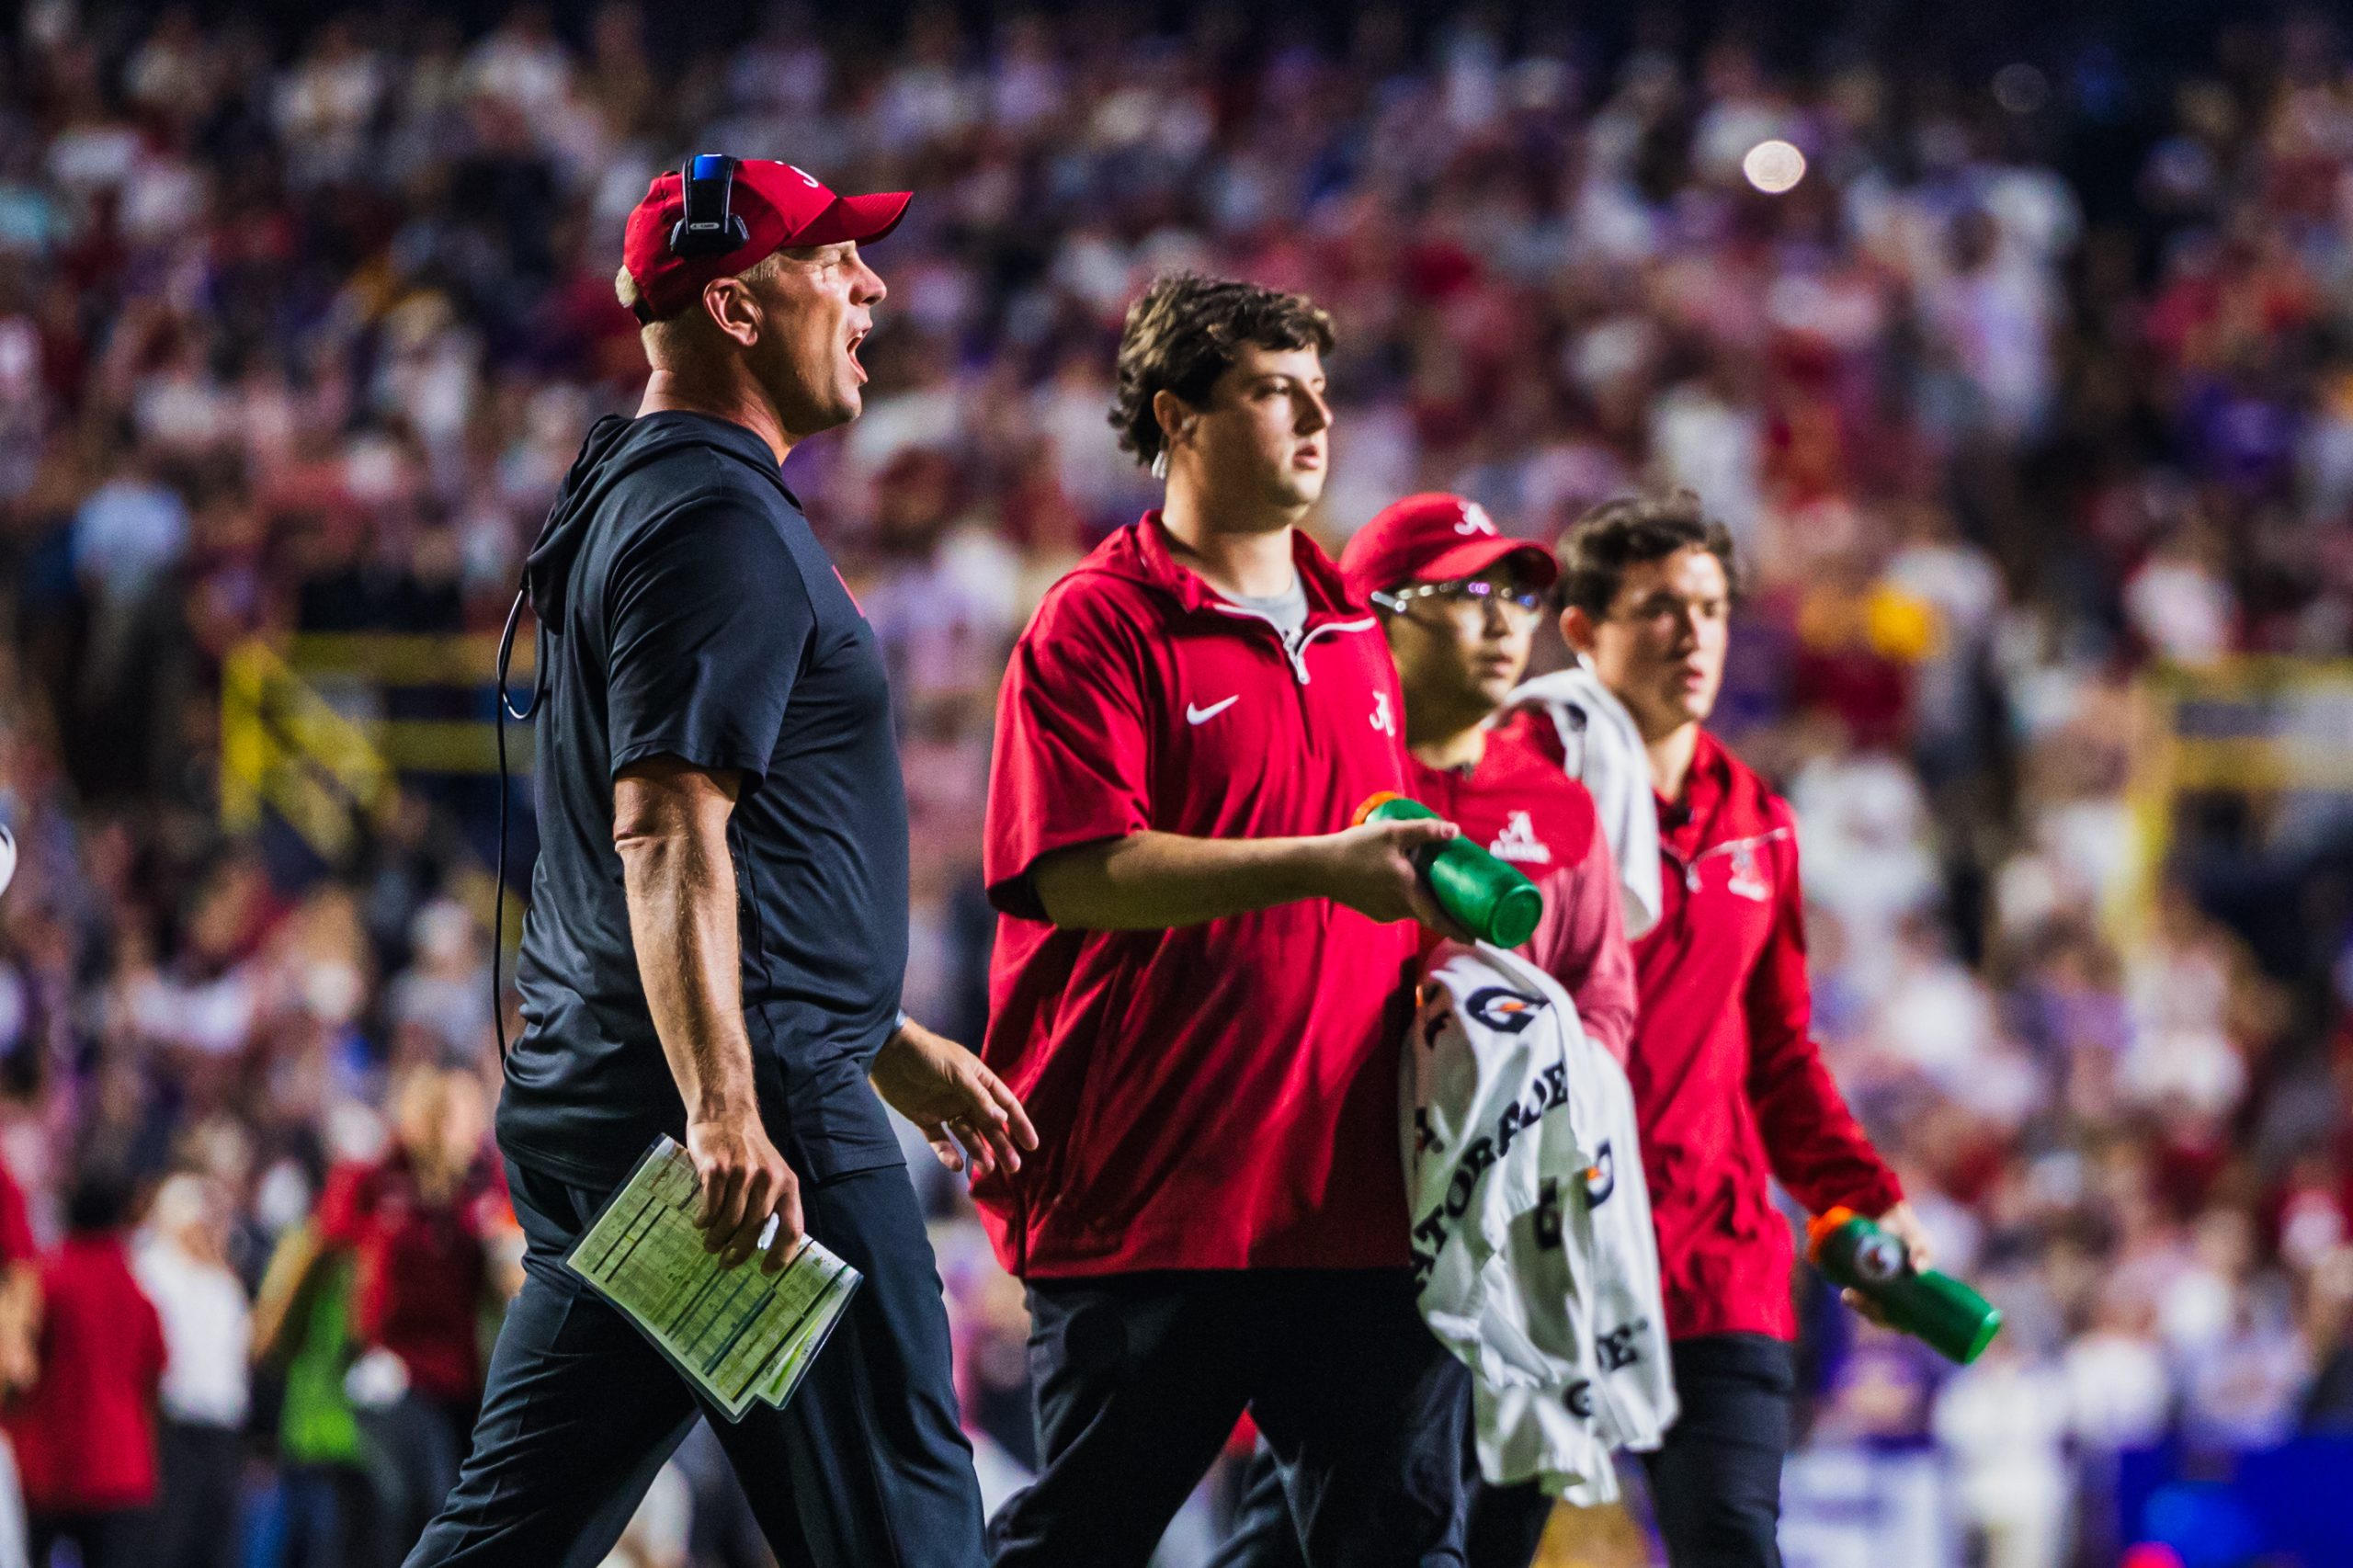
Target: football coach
{"type": "Point", "coordinates": [718, 923]}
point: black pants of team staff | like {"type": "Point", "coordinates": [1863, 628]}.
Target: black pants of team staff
{"type": "Point", "coordinates": [1139, 1379]}
{"type": "Point", "coordinates": [1715, 1483]}
{"type": "Point", "coordinates": [201, 1467]}
{"type": "Point", "coordinates": [105, 1541]}
{"type": "Point", "coordinates": [866, 1465]}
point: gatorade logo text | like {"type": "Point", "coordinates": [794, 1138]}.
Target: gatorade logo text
{"type": "Point", "coordinates": [1616, 1348]}
{"type": "Point", "coordinates": [1548, 1215]}
{"type": "Point", "coordinates": [1550, 1093]}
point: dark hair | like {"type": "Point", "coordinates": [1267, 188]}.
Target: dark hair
{"type": "Point", "coordinates": [100, 1199]}
{"type": "Point", "coordinates": [1628, 532]}
{"type": "Point", "coordinates": [1187, 332]}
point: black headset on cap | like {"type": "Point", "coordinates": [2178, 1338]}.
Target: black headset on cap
{"type": "Point", "coordinates": [708, 225]}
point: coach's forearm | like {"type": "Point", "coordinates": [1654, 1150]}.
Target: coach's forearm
{"type": "Point", "coordinates": [1152, 881]}
{"type": "Point", "coordinates": [681, 888]}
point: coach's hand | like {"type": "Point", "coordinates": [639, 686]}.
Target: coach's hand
{"type": "Point", "coordinates": [957, 1102]}
{"type": "Point", "coordinates": [1371, 869]}
{"type": "Point", "coordinates": [744, 1181]}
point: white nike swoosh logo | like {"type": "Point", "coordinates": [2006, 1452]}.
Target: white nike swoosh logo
{"type": "Point", "coordinates": [1195, 714]}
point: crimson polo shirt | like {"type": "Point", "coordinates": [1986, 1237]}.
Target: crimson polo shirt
{"type": "Point", "coordinates": [1729, 1087]}
{"type": "Point", "coordinates": [1224, 1095]}
{"type": "Point", "coordinates": [1519, 804]}
{"type": "Point", "coordinates": [420, 1266]}
{"type": "Point", "coordinates": [84, 1434]}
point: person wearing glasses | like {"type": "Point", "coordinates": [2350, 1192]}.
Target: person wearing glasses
{"type": "Point", "coordinates": [1460, 603]}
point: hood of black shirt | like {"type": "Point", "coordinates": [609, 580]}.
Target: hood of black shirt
{"type": "Point", "coordinates": [616, 446]}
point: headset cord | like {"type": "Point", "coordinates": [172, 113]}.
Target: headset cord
{"type": "Point", "coordinates": [505, 710]}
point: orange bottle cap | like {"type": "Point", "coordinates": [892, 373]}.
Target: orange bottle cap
{"type": "Point", "coordinates": [1820, 1229]}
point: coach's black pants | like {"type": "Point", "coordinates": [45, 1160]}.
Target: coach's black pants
{"type": "Point", "coordinates": [1139, 1379]}
{"type": "Point", "coordinates": [1716, 1482]}
{"type": "Point", "coordinates": [866, 1465]}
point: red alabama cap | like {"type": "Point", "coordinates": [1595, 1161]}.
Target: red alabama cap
{"type": "Point", "coordinates": [1434, 539]}
{"type": "Point", "coordinates": [780, 205]}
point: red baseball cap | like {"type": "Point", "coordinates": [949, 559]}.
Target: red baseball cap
{"type": "Point", "coordinates": [780, 205]}
{"type": "Point", "coordinates": [1435, 538]}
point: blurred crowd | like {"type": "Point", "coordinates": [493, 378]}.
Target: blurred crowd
{"type": "Point", "coordinates": [300, 325]}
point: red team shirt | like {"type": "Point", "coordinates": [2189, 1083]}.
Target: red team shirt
{"type": "Point", "coordinates": [16, 1224]}
{"type": "Point", "coordinates": [420, 1267]}
{"type": "Point", "coordinates": [1520, 805]}
{"type": "Point", "coordinates": [84, 1434]}
{"type": "Point", "coordinates": [1729, 1086]}
{"type": "Point", "coordinates": [1224, 1094]}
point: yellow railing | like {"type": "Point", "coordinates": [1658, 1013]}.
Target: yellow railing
{"type": "Point", "coordinates": [285, 747]}
{"type": "Point", "coordinates": [2255, 725]}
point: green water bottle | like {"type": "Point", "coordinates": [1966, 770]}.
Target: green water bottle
{"type": "Point", "coordinates": [1934, 1307]}
{"type": "Point", "coordinates": [1485, 897]}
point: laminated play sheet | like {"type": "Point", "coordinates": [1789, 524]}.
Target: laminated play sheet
{"type": "Point", "coordinates": [737, 1333]}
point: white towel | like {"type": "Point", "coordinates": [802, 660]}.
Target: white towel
{"type": "Point", "coordinates": [1532, 1240]}
{"type": "Point", "coordinates": [1604, 752]}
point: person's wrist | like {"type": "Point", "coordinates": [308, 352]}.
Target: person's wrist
{"type": "Point", "coordinates": [728, 1107]}
{"type": "Point", "coordinates": [1317, 867]}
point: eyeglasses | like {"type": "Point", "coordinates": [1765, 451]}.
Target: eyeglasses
{"type": "Point", "coordinates": [1517, 604]}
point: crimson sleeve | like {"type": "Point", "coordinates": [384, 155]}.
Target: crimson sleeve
{"type": "Point", "coordinates": [492, 1210]}
{"type": "Point", "coordinates": [16, 1227]}
{"type": "Point", "coordinates": [1581, 942]}
{"type": "Point", "coordinates": [1070, 759]}
{"type": "Point", "coordinates": [342, 1217]}
{"type": "Point", "coordinates": [1818, 1150]}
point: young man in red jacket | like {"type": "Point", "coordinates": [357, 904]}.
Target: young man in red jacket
{"type": "Point", "coordinates": [1460, 604]}
{"type": "Point", "coordinates": [1199, 986]}
{"type": "Point", "coordinates": [1729, 1087]}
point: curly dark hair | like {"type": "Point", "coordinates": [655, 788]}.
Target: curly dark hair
{"type": "Point", "coordinates": [1186, 332]}
{"type": "Point", "coordinates": [1597, 549]}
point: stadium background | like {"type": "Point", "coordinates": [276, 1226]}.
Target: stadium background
{"type": "Point", "coordinates": [2031, 408]}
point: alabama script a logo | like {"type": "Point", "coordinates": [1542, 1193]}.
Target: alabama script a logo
{"type": "Point", "coordinates": [1517, 841]}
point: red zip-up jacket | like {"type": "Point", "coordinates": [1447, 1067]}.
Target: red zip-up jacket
{"type": "Point", "coordinates": [1729, 1086]}
{"type": "Point", "coordinates": [1222, 1095]}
